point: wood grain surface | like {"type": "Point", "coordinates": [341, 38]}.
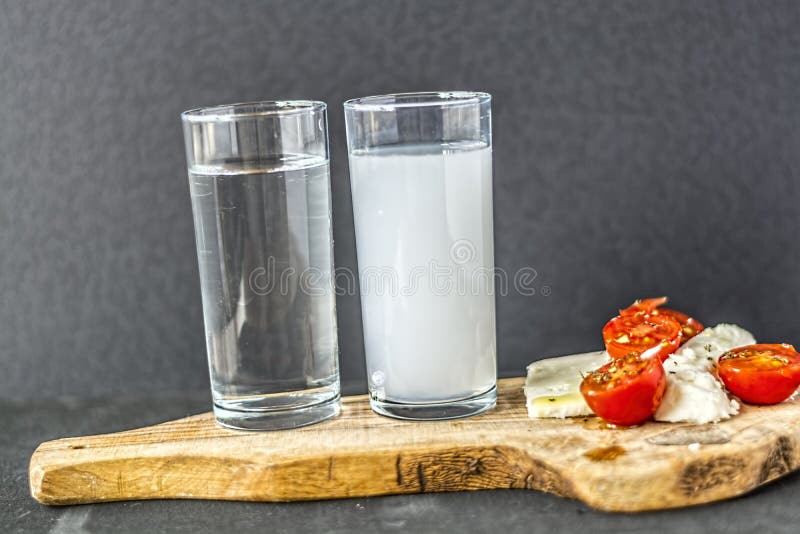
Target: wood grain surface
{"type": "Point", "coordinates": [652, 466]}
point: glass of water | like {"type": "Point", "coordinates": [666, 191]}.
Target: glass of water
{"type": "Point", "coordinates": [421, 180]}
{"type": "Point", "coordinates": [260, 191]}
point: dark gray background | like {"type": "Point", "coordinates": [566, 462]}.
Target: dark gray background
{"type": "Point", "coordinates": [641, 148]}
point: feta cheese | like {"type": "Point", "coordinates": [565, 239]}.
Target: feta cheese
{"type": "Point", "coordinates": [552, 388]}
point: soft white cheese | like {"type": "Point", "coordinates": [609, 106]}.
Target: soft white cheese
{"type": "Point", "coordinates": [693, 394]}
{"type": "Point", "coordinates": [552, 388]}
{"type": "Point", "coordinates": [707, 346]}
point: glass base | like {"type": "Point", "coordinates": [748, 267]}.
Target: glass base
{"type": "Point", "coordinates": [260, 414]}
{"type": "Point", "coordinates": [437, 411]}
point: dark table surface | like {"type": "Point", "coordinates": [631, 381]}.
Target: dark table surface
{"type": "Point", "coordinates": [773, 508]}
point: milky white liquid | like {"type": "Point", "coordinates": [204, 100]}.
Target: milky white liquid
{"type": "Point", "coordinates": [423, 217]}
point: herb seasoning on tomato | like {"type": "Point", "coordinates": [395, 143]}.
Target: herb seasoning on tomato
{"type": "Point", "coordinates": [762, 373]}
{"type": "Point", "coordinates": [640, 328]}
{"type": "Point", "coordinates": [626, 391]}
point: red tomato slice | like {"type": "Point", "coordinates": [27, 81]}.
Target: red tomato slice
{"type": "Point", "coordinates": [644, 306]}
{"type": "Point", "coordinates": [650, 335]}
{"type": "Point", "coordinates": [626, 391]}
{"type": "Point", "coordinates": [761, 374]}
{"type": "Point", "coordinates": [690, 326]}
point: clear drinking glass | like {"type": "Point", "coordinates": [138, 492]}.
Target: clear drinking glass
{"type": "Point", "coordinates": [260, 189]}
{"type": "Point", "coordinates": [421, 179]}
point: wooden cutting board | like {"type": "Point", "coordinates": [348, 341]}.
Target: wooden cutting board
{"type": "Point", "coordinates": [653, 466]}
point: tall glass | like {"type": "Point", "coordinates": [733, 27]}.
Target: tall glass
{"type": "Point", "coordinates": [260, 189]}
{"type": "Point", "coordinates": [421, 179]}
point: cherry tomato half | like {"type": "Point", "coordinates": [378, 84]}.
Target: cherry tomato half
{"type": "Point", "coordinates": [690, 326]}
{"type": "Point", "coordinates": [626, 391]}
{"type": "Point", "coordinates": [761, 374]}
{"type": "Point", "coordinates": [649, 335]}
{"type": "Point", "coordinates": [644, 306]}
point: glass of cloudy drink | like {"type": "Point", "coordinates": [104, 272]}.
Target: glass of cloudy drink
{"type": "Point", "coordinates": [421, 181]}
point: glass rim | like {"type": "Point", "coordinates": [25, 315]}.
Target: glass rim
{"type": "Point", "coordinates": [393, 101]}
{"type": "Point", "coordinates": [260, 108]}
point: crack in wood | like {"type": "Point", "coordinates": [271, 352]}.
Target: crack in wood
{"type": "Point", "coordinates": [474, 467]}
{"type": "Point", "coordinates": [779, 460]}
{"type": "Point", "coordinates": [542, 477]}
{"type": "Point", "coordinates": [421, 477]}
{"type": "Point", "coordinates": [704, 475]}
{"type": "Point", "coordinates": [398, 469]}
